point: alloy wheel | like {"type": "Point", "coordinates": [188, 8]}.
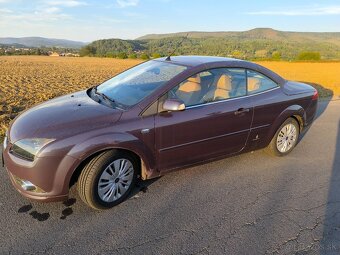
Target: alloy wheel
{"type": "Point", "coordinates": [286, 138]}
{"type": "Point", "coordinates": [115, 180]}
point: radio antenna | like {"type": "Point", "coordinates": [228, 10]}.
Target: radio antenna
{"type": "Point", "coordinates": [178, 45]}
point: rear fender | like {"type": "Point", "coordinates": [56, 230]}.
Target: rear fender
{"type": "Point", "coordinates": [295, 111]}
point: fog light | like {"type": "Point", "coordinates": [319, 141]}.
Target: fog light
{"type": "Point", "coordinates": [27, 185]}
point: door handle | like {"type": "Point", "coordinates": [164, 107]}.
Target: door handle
{"type": "Point", "coordinates": [242, 110]}
{"type": "Point", "coordinates": [145, 131]}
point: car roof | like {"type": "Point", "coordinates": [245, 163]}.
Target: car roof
{"type": "Point", "coordinates": [213, 62]}
{"type": "Point", "coordinates": [196, 60]}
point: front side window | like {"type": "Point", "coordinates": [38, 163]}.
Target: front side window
{"type": "Point", "coordinates": [131, 86]}
{"type": "Point", "coordinates": [210, 86]}
{"type": "Point", "coordinates": [258, 82]}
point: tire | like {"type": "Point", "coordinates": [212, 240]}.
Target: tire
{"type": "Point", "coordinates": [108, 179]}
{"type": "Point", "coordinates": [277, 148]}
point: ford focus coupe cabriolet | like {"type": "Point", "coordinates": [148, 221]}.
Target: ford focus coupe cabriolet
{"type": "Point", "coordinates": [161, 115]}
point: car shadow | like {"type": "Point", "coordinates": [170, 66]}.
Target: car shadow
{"type": "Point", "coordinates": [325, 96]}
{"type": "Point", "coordinates": [141, 186]}
{"type": "Point", "coordinates": [330, 242]}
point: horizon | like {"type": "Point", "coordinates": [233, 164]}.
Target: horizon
{"type": "Point", "coordinates": [87, 20]}
{"type": "Point", "coordinates": [179, 32]}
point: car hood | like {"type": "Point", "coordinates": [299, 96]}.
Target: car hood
{"type": "Point", "coordinates": [63, 117]}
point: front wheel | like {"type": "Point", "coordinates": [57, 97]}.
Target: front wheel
{"type": "Point", "coordinates": [107, 179]}
{"type": "Point", "coordinates": [285, 138]}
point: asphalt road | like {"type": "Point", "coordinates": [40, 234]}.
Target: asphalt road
{"type": "Point", "coordinates": [249, 204]}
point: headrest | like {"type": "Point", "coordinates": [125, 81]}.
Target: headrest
{"type": "Point", "coordinates": [195, 78]}
{"type": "Point", "coordinates": [224, 82]}
{"type": "Point", "coordinates": [192, 84]}
{"type": "Point", "coordinates": [253, 83]}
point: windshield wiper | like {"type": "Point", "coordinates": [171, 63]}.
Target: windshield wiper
{"type": "Point", "coordinates": [102, 95]}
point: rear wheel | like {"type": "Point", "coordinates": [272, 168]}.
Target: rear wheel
{"type": "Point", "coordinates": [107, 179]}
{"type": "Point", "coordinates": [285, 138]}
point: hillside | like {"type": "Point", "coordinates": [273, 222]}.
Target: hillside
{"type": "Point", "coordinates": [257, 33]}
{"type": "Point", "coordinates": [41, 42]}
{"type": "Point", "coordinates": [260, 43]}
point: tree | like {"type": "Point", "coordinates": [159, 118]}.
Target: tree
{"type": "Point", "coordinates": [88, 50]}
{"type": "Point", "coordinates": [110, 55]}
{"type": "Point", "coordinates": [122, 55]}
{"type": "Point", "coordinates": [156, 55]}
{"type": "Point", "coordinates": [237, 54]}
{"type": "Point", "coordinates": [309, 55]}
{"type": "Point", "coordinates": [37, 52]}
{"type": "Point", "coordinates": [133, 56]}
{"type": "Point", "coordinates": [276, 55]}
{"type": "Point", "coordinates": [261, 54]}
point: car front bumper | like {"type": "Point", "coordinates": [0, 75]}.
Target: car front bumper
{"type": "Point", "coordinates": [45, 179]}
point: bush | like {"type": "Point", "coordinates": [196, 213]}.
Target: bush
{"type": "Point", "coordinates": [261, 54]}
{"type": "Point", "coordinates": [110, 55]}
{"type": "Point", "coordinates": [144, 56]}
{"type": "Point", "coordinates": [133, 56]}
{"type": "Point", "coordinates": [309, 55]}
{"type": "Point", "coordinates": [276, 55]}
{"type": "Point", "coordinates": [156, 55]}
{"type": "Point", "coordinates": [122, 55]}
{"type": "Point", "coordinates": [237, 54]}
{"type": "Point", "coordinates": [87, 51]}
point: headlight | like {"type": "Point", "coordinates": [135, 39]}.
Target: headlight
{"type": "Point", "coordinates": [29, 148]}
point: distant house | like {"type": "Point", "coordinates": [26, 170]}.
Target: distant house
{"type": "Point", "coordinates": [71, 55]}
{"type": "Point", "coordinates": [54, 54]}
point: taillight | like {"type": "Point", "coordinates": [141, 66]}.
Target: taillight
{"type": "Point", "coordinates": [315, 95]}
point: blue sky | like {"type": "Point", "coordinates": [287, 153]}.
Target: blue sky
{"type": "Point", "coordinates": [88, 20]}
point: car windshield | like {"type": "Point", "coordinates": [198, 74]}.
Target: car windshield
{"type": "Point", "coordinates": [130, 87]}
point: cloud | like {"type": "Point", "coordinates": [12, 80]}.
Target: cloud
{"type": "Point", "coordinates": [316, 11]}
{"type": "Point", "coordinates": [38, 16]}
{"type": "Point", "coordinates": [127, 3]}
{"type": "Point", "coordinates": [65, 3]}
{"type": "Point", "coordinates": [104, 20]}
{"type": "Point", "coordinates": [26, 18]}
{"type": "Point", "coordinates": [5, 10]}
{"type": "Point", "coordinates": [46, 11]}
{"type": "Point", "coordinates": [52, 10]}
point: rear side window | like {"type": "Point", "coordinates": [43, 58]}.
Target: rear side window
{"type": "Point", "coordinates": [258, 82]}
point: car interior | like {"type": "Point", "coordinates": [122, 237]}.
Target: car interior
{"type": "Point", "coordinates": [209, 86]}
{"type": "Point", "coordinates": [220, 84]}
{"type": "Point", "coordinates": [190, 91]}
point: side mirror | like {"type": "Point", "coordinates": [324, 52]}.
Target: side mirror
{"type": "Point", "coordinates": [173, 105]}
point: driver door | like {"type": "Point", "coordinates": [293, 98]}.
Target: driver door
{"type": "Point", "coordinates": [216, 120]}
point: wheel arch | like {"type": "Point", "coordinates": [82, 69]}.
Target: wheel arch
{"type": "Point", "coordinates": [294, 111]}
{"type": "Point", "coordinates": [299, 120]}
{"type": "Point", "coordinates": [143, 170]}
{"type": "Point", "coordinates": [90, 148]}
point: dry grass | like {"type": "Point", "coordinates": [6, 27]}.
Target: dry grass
{"type": "Point", "coordinates": [323, 76]}
{"type": "Point", "coordinates": [28, 80]}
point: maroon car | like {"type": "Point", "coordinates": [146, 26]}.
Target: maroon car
{"type": "Point", "coordinates": [156, 117]}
